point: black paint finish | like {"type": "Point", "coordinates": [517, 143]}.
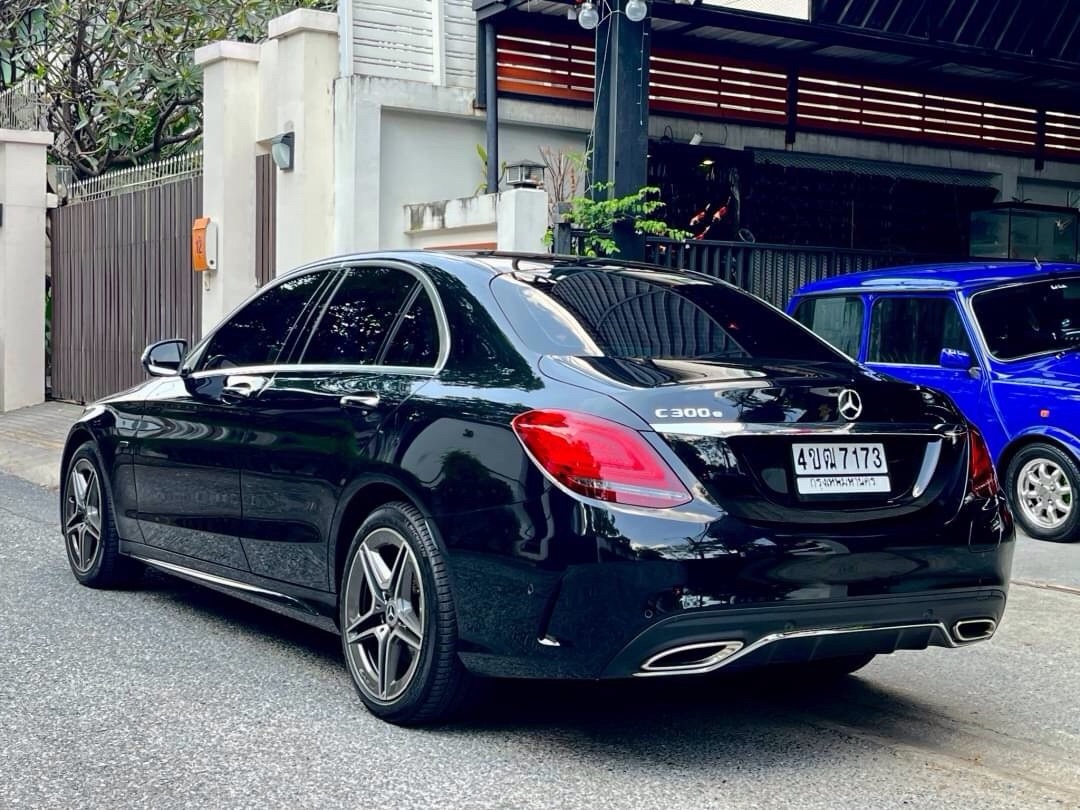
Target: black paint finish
{"type": "Point", "coordinates": [266, 488]}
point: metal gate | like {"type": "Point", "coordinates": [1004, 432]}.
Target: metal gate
{"type": "Point", "coordinates": [121, 279]}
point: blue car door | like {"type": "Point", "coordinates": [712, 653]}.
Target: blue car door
{"type": "Point", "coordinates": [907, 333]}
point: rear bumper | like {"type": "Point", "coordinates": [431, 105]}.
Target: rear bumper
{"type": "Point", "coordinates": [605, 591]}
{"type": "Point", "coordinates": [788, 634]}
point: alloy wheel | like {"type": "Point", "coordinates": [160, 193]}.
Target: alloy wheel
{"type": "Point", "coordinates": [384, 615]}
{"type": "Point", "coordinates": [82, 516]}
{"type": "Point", "coordinates": [1044, 493]}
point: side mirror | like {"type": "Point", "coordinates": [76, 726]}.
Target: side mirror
{"type": "Point", "coordinates": [163, 359]}
{"type": "Point", "coordinates": [954, 358]}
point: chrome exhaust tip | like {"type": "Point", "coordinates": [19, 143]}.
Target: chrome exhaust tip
{"type": "Point", "coordinates": [690, 659]}
{"type": "Point", "coordinates": [968, 630]}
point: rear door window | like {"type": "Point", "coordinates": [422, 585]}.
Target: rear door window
{"type": "Point", "coordinates": [912, 331]}
{"type": "Point", "coordinates": [355, 326]}
{"type": "Point", "coordinates": [837, 319]}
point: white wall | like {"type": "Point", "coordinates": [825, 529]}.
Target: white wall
{"type": "Point", "coordinates": [414, 40]}
{"type": "Point", "coordinates": [426, 157]}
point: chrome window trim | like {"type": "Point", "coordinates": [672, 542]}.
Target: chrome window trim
{"type": "Point", "coordinates": [337, 265]}
{"type": "Point", "coordinates": [315, 368]}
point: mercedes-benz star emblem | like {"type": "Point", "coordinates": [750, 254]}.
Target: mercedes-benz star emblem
{"type": "Point", "coordinates": [850, 404]}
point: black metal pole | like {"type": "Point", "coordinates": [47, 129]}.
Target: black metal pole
{"type": "Point", "coordinates": [628, 141]}
{"type": "Point", "coordinates": [491, 84]}
{"type": "Point", "coordinates": [599, 145]}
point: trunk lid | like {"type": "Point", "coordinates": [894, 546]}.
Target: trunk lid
{"type": "Point", "coordinates": [793, 443]}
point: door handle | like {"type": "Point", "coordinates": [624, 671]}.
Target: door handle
{"type": "Point", "coordinates": [242, 387]}
{"type": "Point", "coordinates": [366, 401]}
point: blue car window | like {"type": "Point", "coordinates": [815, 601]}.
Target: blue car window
{"type": "Point", "coordinates": [837, 319]}
{"type": "Point", "coordinates": [1030, 318]}
{"type": "Point", "coordinates": [913, 331]}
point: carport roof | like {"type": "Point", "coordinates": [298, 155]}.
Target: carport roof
{"type": "Point", "coordinates": [1023, 51]}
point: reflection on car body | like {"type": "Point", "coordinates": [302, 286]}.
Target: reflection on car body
{"type": "Point", "coordinates": [488, 465]}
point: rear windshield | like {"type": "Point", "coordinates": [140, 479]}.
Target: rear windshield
{"type": "Point", "coordinates": [648, 314]}
{"type": "Point", "coordinates": [1030, 318]}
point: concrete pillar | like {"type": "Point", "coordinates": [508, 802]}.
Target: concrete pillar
{"type": "Point", "coordinates": [358, 150]}
{"type": "Point", "coordinates": [307, 64]}
{"type": "Point", "coordinates": [230, 108]}
{"type": "Point", "coordinates": [22, 267]}
{"type": "Point", "coordinates": [522, 220]}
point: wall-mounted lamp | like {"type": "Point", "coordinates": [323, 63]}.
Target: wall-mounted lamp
{"type": "Point", "coordinates": [282, 150]}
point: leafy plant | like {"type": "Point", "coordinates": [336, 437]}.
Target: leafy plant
{"type": "Point", "coordinates": [482, 185]}
{"type": "Point", "coordinates": [597, 217]}
{"type": "Point", "coordinates": [120, 83]}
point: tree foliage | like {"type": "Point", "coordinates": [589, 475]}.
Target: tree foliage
{"type": "Point", "coordinates": [120, 83]}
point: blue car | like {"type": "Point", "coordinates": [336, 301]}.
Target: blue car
{"type": "Point", "coordinates": [1003, 340]}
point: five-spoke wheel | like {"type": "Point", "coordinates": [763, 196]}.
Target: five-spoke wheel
{"type": "Point", "coordinates": [384, 615]}
{"type": "Point", "coordinates": [90, 538]}
{"type": "Point", "coordinates": [397, 619]}
{"type": "Point", "coordinates": [82, 516]}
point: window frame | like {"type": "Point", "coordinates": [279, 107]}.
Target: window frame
{"type": "Point", "coordinates": [862, 341]}
{"type": "Point", "coordinates": [976, 323]}
{"type": "Point", "coordinates": [194, 357]}
{"type": "Point", "coordinates": [928, 295]}
{"type": "Point", "coordinates": [426, 286]}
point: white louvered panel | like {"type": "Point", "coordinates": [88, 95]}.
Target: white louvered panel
{"type": "Point", "coordinates": [393, 38]}
{"type": "Point", "coordinates": [460, 27]}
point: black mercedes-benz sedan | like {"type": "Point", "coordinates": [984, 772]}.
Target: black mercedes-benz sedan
{"type": "Point", "coordinates": [533, 466]}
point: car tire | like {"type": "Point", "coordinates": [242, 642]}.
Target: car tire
{"type": "Point", "coordinates": [1042, 482]}
{"type": "Point", "coordinates": [88, 525]}
{"type": "Point", "coordinates": [398, 623]}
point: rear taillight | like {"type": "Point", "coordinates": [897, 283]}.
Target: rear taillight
{"type": "Point", "coordinates": [599, 458]}
{"type": "Point", "coordinates": [983, 481]}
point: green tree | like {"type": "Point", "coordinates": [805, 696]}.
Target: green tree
{"type": "Point", "coordinates": [120, 84]}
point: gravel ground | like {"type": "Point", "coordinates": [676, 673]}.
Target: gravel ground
{"type": "Point", "coordinates": [170, 696]}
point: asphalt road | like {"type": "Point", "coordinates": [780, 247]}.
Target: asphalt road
{"type": "Point", "coordinates": [170, 696]}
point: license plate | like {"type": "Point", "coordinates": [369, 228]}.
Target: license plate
{"type": "Point", "coordinates": [840, 469]}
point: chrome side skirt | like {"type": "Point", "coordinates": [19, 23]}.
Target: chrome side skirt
{"type": "Point", "coordinates": [224, 583]}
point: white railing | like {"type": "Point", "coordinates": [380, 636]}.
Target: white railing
{"type": "Point", "coordinates": [23, 106]}
{"type": "Point", "coordinates": [125, 181]}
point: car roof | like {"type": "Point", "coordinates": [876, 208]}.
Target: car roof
{"type": "Point", "coordinates": [496, 262]}
{"type": "Point", "coordinates": [936, 277]}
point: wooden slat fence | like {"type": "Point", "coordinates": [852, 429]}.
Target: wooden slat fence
{"type": "Point", "coordinates": [265, 218]}
{"type": "Point", "coordinates": [122, 278]}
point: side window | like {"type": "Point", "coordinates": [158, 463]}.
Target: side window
{"type": "Point", "coordinates": [416, 341]}
{"type": "Point", "coordinates": [355, 325]}
{"type": "Point", "coordinates": [256, 334]}
{"type": "Point", "coordinates": [913, 331]}
{"type": "Point", "coordinates": [835, 319]}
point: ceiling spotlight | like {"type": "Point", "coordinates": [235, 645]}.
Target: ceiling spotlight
{"type": "Point", "coordinates": [697, 139]}
{"type": "Point", "coordinates": [636, 10]}
{"type": "Point", "coordinates": [588, 18]}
